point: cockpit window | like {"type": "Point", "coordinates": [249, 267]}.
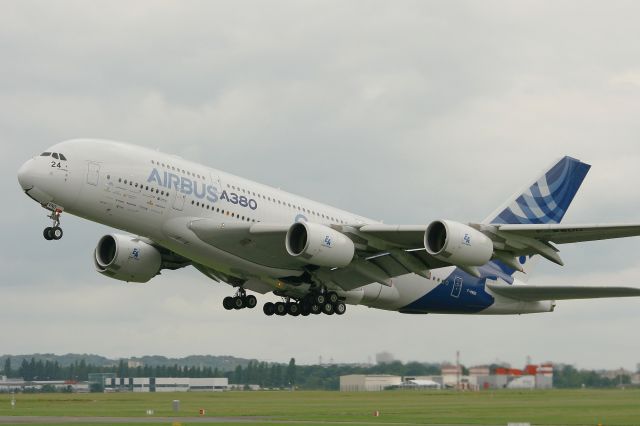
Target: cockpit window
{"type": "Point", "coordinates": [54, 155]}
{"type": "Point", "coordinates": [62, 157]}
{"type": "Point", "coordinates": [45, 154]}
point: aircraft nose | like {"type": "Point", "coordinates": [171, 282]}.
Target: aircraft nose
{"type": "Point", "coordinates": [25, 175]}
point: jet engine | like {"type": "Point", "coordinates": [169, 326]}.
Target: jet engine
{"type": "Point", "coordinates": [457, 244]}
{"type": "Point", "coordinates": [319, 245]}
{"type": "Point", "coordinates": [127, 258]}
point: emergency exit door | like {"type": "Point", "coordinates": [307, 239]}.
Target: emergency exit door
{"type": "Point", "coordinates": [93, 173]}
{"type": "Point", "coordinates": [457, 287]}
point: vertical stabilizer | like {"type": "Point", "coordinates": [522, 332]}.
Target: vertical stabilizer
{"type": "Point", "coordinates": [545, 201]}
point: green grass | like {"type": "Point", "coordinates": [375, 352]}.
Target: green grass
{"type": "Point", "coordinates": [552, 407]}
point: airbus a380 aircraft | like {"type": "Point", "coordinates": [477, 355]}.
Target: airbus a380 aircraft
{"type": "Point", "coordinates": [316, 257]}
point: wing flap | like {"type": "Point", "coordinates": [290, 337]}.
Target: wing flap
{"type": "Point", "coordinates": [531, 293]}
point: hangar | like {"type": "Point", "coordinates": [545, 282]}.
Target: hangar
{"type": "Point", "coordinates": [362, 382]}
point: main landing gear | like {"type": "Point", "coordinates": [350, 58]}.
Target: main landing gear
{"type": "Point", "coordinates": [312, 304]}
{"type": "Point", "coordinates": [240, 301]}
{"type": "Point", "coordinates": [53, 232]}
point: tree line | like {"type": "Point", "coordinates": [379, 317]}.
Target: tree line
{"type": "Point", "coordinates": [273, 375]}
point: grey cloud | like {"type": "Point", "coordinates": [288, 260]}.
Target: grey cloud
{"type": "Point", "coordinates": [403, 111]}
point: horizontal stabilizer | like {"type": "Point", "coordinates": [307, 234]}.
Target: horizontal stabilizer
{"type": "Point", "coordinates": [532, 293]}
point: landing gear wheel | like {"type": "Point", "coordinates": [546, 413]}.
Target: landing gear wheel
{"type": "Point", "coordinates": [227, 302]}
{"type": "Point", "coordinates": [332, 297]}
{"type": "Point", "coordinates": [47, 233]}
{"type": "Point", "coordinates": [327, 308]}
{"type": "Point", "coordinates": [250, 301]}
{"type": "Point", "coordinates": [53, 232]}
{"type": "Point", "coordinates": [56, 233]}
{"type": "Point", "coordinates": [238, 302]}
{"type": "Point", "coordinates": [315, 309]}
{"type": "Point", "coordinates": [340, 308]}
{"type": "Point", "coordinates": [280, 308]}
{"type": "Point", "coordinates": [293, 309]}
{"type": "Point", "coordinates": [305, 309]}
{"type": "Point", "coordinates": [320, 299]}
{"type": "Point", "coordinates": [269, 309]}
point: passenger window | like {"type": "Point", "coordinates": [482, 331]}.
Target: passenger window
{"type": "Point", "coordinates": [62, 157]}
{"type": "Point", "coordinates": [45, 154]}
{"type": "Point", "coordinates": [54, 155]}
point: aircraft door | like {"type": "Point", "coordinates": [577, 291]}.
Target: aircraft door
{"type": "Point", "coordinates": [178, 201]}
{"type": "Point", "coordinates": [457, 287]}
{"type": "Point", "coordinates": [216, 182]}
{"type": "Point", "coordinates": [93, 173]}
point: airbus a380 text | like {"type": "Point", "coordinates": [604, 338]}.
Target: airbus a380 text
{"type": "Point", "coordinates": [317, 258]}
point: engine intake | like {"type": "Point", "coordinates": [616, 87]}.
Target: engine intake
{"type": "Point", "coordinates": [457, 244]}
{"type": "Point", "coordinates": [126, 258]}
{"type": "Point", "coordinates": [319, 245]}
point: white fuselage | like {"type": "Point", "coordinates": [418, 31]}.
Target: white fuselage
{"type": "Point", "coordinates": [155, 195]}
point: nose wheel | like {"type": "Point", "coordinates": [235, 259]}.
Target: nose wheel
{"type": "Point", "coordinates": [53, 232]}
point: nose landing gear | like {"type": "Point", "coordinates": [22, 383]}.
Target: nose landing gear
{"type": "Point", "coordinates": [53, 232]}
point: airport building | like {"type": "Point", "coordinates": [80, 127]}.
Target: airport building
{"type": "Point", "coordinates": [453, 377]}
{"type": "Point", "coordinates": [20, 385]}
{"type": "Point", "coordinates": [362, 382]}
{"type": "Point", "coordinates": [166, 384]}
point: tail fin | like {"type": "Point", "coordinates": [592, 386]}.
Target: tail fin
{"type": "Point", "coordinates": [547, 199]}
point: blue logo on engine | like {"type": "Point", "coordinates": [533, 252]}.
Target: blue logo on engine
{"type": "Point", "coordinates": [327, 241]}
{"type": "Point", "coordinates": [135, 254]}
{"type": "Point", "coordinates": [466, 239]}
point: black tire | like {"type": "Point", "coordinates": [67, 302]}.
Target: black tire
{"type": "Point", "coordinates": [340, 308]}
{"type": "Point", "coordinates": [47, 233]}
{"type": "Point", "coordinates": [293, 309]}
{"type": "Point", "coordinates": [268, 309]}
{"type": "Point", "coordinates": [238, 302]}
{"type": "Point", "coordinates": [250, 301]}
{"type": "Point", "coordinates": [315, 309]}
{"type": "Point", "coordinates": [227, 302]}
{"type": "Point", "coordinates": [332, 297]}
{"type": "Point", "coordinates": [320, 299]}
{"type": "Point", "coordinates": [56, 233]}
{"type": "Point", "coordinates": [280, 309]}
{"type": "Point", "coordinates": [327, 308]}
{"type": "Point", "coordinates": [305, 309]}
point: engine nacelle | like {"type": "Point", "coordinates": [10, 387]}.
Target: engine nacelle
{"type": "Point", "coordinates": [126, 258]}
{"type": "Point", "coordinates": [457, 244]}
{"type": "Point", "coordinates": [319, 245]}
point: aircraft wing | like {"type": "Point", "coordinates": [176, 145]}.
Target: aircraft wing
{"type": "Point", "coordinates": [259, 242]}
{"type": "Point", "coordinates": [563, 234]}
{"type": "Point", "coordinates": [386, 251]}
{"type": "Point", "coordinates": [376, 260]}
{"type": "Point", "coordinates": [531, 293]}
{"type": "Point", "coordinates": [509, 240]}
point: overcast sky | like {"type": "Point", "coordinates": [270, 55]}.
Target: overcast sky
{"type": "Point", "coordinates": [401, 111]}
